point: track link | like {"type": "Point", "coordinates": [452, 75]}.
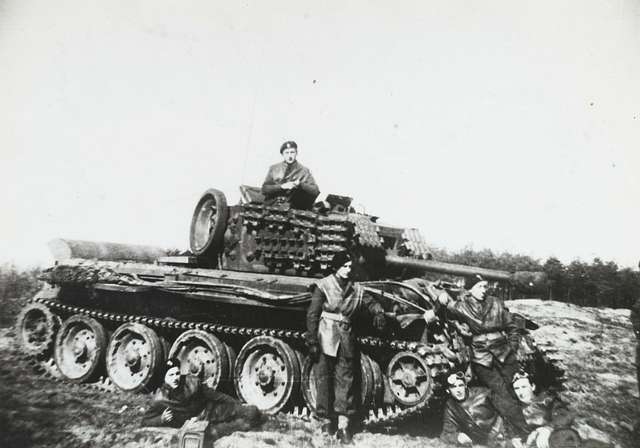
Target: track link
{"type": "Point", "coordinates": [383, 416]}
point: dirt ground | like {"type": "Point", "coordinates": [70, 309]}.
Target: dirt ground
{"type": "Point", "coordinates": [596, 346]}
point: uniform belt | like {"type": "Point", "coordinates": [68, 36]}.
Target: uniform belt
{"type": "Point", "coordinates": [335, 317]}
{"type": "Point", "coordinates": [488, 336]}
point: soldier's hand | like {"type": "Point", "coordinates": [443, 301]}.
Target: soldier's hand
{"type": "Point", "coordinates": [517, 443]}
{"type": "Point", "coordinates": [288, 185]}
{"type": "Point", "coordinates": [464, 439]}
{"type": "Point", "coordinates": [379, 322]}
{"type": "Point", "coordinates": [314, 352]}
{"type": "Point", "coordinates": [429, 316]}
{"type": "Point", "coordinates": [167, 416]}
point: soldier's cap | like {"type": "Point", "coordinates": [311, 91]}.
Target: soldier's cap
{"type": "Point", "coordinates": [472, 280]}
{"type": "Point", "coordinates": [171, 363]}
{"type": "Point", "coordinates": [521, 375]}
{"type": "Point", "coordinates": [455, 377]}
{"type": "Point", "coordinates": [287, 145]}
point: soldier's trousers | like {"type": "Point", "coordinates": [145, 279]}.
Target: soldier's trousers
{"type": "Point", "coordinates": [498, 379]}
{"type": "Point", "coordinates": [335, 385]}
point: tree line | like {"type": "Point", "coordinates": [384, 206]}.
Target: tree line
{"type": "Point", "coordinates": [599, 283]}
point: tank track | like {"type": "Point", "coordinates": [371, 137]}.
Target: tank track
{"type": "Point", "coordinates": [380, 417]}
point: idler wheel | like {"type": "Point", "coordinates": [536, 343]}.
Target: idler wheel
{"type": "Point", "coordinates": [201, 353]}
{"type": "Point", "coordinates": [134, 356]}
{"type": "Point", "coordinates": [80, 347]}
{"type": "Point", "coordinates": [209, 223]}
{"type": "Point", "coordinates": [267, 374]}
{"type": "Point", "coordinates": [371, 383]}
{"type": "Point", "coordinates": [409, 378]}
{"type": "Point", "coordinates": [36, 329]}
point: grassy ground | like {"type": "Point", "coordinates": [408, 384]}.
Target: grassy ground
{"type": "Point", "coordinates": [596, 347]}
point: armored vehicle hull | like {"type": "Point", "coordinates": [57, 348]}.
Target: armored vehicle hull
{"type": "Point", "coordinates": [234, 311]}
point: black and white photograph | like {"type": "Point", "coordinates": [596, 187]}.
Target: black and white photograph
{"type": "Point", "coordinates": [300, 224]}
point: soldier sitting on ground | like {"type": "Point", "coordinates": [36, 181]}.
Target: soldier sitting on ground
{"type": "Point", "coordinates": [469, 415]}
{"type": "Point", "coordinates": [289, 181]}
{"type": "Point", "coordinates": [185, 397]}
{"type": "Point", "coordinates": [544, 413]}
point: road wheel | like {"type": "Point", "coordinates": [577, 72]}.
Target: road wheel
{"type": "Point", "coordinates": [80, 348]}
{"type": "Point", "coordinates": [134, 357]}
{"type": "Point", "coordinates": [36, 329]}
{"type": "Point", "coordinates": [202, 354]}
{"type": "Point", "coordinates": [267, 374]}
{"type": "Point", "coordinates": [409, 378]}
{"type": "Point", "coordinates": [209, 223]}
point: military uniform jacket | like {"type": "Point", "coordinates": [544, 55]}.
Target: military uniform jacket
{"type": "Point", "coordinates": [281, 173]}
{"type": "Point", "coordinates": [333, 303]}
{"type": "Point", "coordinates": [494, 333]}
{"type": "Point", "coordinates": [190, 399]}
{"type": "Point", "coordinates": [475, 416]}
{"type": "Point", "coordinates": [547, 410]}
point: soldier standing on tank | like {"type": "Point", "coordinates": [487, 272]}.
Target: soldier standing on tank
{"type": "Point", "coordinates": [289, 181]}
{"type": "Point", "coordinates": [469, 416]}
{"type": "Point", "coordinates": [332, 344]}
{"type": "Point", "coordinates": [494, 344]}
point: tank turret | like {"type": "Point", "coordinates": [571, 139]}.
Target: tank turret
{"type": "Point", "coordinates": [233, 308]}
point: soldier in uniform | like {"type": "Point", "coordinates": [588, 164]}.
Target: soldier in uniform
{"type": "Point", "coordinates": [289, 181]}
{"type": "Point", "coordinates": [543, 413]}
{"type": "Point", "coordinates": [469, 415]}
{"type": "Point", "coordinates": [185, 397]}
{"type": "Point", "coordinates": [332, 343]}
{"type": "Point", "coordinates": [494, 343]}
{"type": "Point", "coordinates": [635, 321]}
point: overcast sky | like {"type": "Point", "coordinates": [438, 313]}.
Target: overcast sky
{"type": "Point", "coordinates": [507, 125]}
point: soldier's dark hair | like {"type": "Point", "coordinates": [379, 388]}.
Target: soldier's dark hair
{"type": "Point", "coordinates": [339, 260]}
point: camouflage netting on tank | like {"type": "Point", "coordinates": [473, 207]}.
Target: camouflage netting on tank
{"type": "Point", "coordinates": [99, 276]}
{"type": "Point", "coordinates": [87, 275]}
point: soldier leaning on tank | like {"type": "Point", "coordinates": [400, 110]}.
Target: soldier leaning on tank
{"type": "Point", "coordinates": [332, 344]}
{"type": "Point", "coordinates": [185, 397]}
{"type": "Point", "coordinates": [494, 344]}
{"type": "Point", "coordinates": [289, 181]}
{"type": "Point", "coordinates": [544, 413]}
{"type": "Point", "coordinates": [469, 416]}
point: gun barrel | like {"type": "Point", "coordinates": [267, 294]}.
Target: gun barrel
{"type": "Point", "coordinates": [448, 268]}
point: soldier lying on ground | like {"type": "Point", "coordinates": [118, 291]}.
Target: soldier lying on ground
{"type": "Point", "coordinates": [494, 344]}
{"type": "Point", "coordinates": [544, 413]}
{"type": "Point", "coordinates": [469, 415]}
{"type": "Point", "coordinates": [184, 397]}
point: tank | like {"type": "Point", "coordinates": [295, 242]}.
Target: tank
{"type": "Point", "coordinates": [233, 309]}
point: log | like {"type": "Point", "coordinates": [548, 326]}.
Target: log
{"type": "Point", "coordinates": [63, 249]}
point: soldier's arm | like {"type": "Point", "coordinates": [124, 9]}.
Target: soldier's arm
{"type": "Point", "coordinates": [269, 186]}
{"type": "Point", "coordinates": [308, 184]}
{"type": "Point", "coordinates": [510, 327]}
{"type": "Point", "coordinates": [562, 415]}
{"type": "Point", "coordinates": [635, 318]}
{"type": "Point", "coordinates": [313, 315]}
{"type": "Point", "coordinates": [450, 431]}
{"type": "Point", "coordinates": [153, 415]}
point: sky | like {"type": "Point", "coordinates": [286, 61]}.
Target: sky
{"type": "Point", "coordinates": [503, 124]}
